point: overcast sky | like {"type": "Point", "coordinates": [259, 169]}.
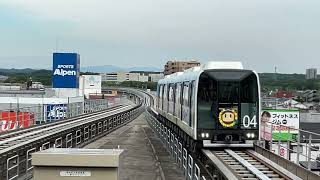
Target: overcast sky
{"type": "Point", "coordinates": [260, 33]}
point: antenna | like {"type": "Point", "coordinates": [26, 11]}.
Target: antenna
{"type": "Point", "coordinates": [275, 72]}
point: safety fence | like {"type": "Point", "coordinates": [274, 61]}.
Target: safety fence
{"type": "Point", "coordinates": [182, 157]}
{"type": "Point", "coordinates": [19, 165]}
{"type": "Point", "coordinates": [297, 145]}
{"type": "Point", "coordinates": [21, 117]}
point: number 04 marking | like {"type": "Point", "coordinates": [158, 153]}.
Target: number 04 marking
{"type": "Point", "coordinates": [247, 121]}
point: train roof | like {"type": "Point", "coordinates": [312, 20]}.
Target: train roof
{"type": "Point", "coordinates": [194, 72]}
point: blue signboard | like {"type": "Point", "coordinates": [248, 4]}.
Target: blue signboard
{"type": "Point", "coordinates": [56, 111]}
{"type": "Point", "coordinates": [66, 70]}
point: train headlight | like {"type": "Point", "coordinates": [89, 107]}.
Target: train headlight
{"type": "Point", "coordinates": [202, 135]}
{"type": "Point", "coordinates": [207, 135]}
{"type": "Point", "coordinates": [250, 135]}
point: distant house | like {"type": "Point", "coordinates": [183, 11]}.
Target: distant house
{"type": "Point", "coordinates": [3, 78]}
{"type": "Point", "coordinates": [284, 94]}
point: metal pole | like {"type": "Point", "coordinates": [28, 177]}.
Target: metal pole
{"type": "Point", "coordinates": [264, 135]}
{"type": "Point", "coordinates": [309, 152]}
{"type": "Point", "coordinates": [288, 144]}
{"type": "Point", "coordinates": [17, 114]}
{"type": "Point", "coordinates": [279, 139]}
{"type": "Point", "coordinates": [271, 140]}
{"type": "Point", "coordinates": [68, 110]}
{"type": "Point", "coordinates": [298, 147]}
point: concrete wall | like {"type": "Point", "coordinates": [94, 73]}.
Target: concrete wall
{"type": "Point", "coordinates": [310, 117]}
{"type": "Point", "coordinates": [66, 92]}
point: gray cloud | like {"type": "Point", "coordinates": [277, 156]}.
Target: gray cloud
{"type": "Point", "coordinates": [261, 34]}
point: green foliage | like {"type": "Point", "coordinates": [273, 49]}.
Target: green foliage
{"type": "Point", "coordinates": [269, 81]}
{"type": "Point", "coordinates": [43, 76]}
{"type": "Point", "coordinates": [290, 82]}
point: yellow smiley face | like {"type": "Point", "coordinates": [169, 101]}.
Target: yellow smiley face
{"type": "Point", "coordinates": [228, 117]}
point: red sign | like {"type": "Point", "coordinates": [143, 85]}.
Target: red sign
{"type": "Point", "coordinates": [283, 94]}
{"type": "Point", "coordinates": [12, 120]}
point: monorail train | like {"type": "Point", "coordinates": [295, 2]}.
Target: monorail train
{"type": "Point", "coordinates": [215, 105]}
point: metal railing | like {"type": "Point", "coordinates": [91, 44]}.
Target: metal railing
{"type": "Point", "coordinates": [171, 142]}
{"type": "Point", "coordinates": [17, 167]}
{"type": "Point", "coordinates": [24, 117]}
{"type": "Point", "coordinates": [297, 145]}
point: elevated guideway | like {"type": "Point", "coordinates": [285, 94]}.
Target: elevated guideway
{"type": "Point", "coordinates": [16, 147]}
{"type": "Point", "coordinates": [226, 164]}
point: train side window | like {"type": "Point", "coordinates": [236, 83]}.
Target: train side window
{"type": "Point", "coordinates": [185, 95]}
{"type": "Point", "coordinates": [160, 97]}
{"type": "Point", "coordinates": [167, 97]}
{"type": "Point", "coordinates": [172, 98]}
{"type": "Point", "coordinates": [160, 91]}
{"type": "Point", "coordinates": [174, 87]}
{"type": "Point", "coordinates": [171, 92]}
{"type": "Point", "coordinates": [178, 100]}
{"type": "Point", "coordinates": [164, 97]}
{"type": "Point", "coordinates": [192, 103]}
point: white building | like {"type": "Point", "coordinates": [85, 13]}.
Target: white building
{"type": "Point", "coordinates": [89, 84]}
{"type": "Point", "coordinates": [156, 77]}
{"type": "Point", "coordinates": [115, 77]}
{"type": "Point", "coordinates": [132, 76]}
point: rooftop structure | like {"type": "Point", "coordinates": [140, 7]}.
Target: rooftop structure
{"type": "Point", "coordinates": [179, 66]}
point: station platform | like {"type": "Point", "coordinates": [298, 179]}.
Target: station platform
{"type": "Point", "coordinates": [145, 158]}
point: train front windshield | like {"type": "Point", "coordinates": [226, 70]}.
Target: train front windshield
{"type": "Point", "coordinates": [228, 100]}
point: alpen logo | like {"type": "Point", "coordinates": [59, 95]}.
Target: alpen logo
{"type": "Point", "coordinates": [65, 70]}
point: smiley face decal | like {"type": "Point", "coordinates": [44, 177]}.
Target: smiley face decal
{"type": "Point", "coordinates": [228, 117]}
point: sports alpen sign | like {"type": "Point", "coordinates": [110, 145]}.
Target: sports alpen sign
{"type": "Point", "coordinates": [66, 70]}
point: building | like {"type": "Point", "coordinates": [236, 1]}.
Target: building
{"type": "Point", "coordinates": [3, 78]}
{"type": "Point", "coordinates": [89, 84]}
{"type": "Point", "coordinates": [155, 77]}
{"type": "Point", "coordinates": [142, 76]}
{"type": "Point", "coordinates": [66, 73]}
{"type": "Point", "coordinates": [120, 77]}
{"type": "Point", "coordinates": [115, 77]}
{"type": "Point", "coordinates": [179, 66]}
{"type": "Point", "coordinates": [311, 96]}
{"type": "Point", "coordinates": [311, 73]}
{"type": "Point", "coordinates": [150, 76]}
{"type": "Point", "coordinates": [284, 94]}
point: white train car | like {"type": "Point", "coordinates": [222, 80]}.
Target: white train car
{"type": "Point", "coordinates": [215, 105]}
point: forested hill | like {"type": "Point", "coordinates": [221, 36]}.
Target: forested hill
{"type": "Point", "coordinates": [22, 75]}
{"type": "Point", "coordinates": [269, 81]}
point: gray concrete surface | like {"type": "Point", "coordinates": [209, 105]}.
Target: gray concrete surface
{"type": "Point", "coordinates": [145, 158]}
